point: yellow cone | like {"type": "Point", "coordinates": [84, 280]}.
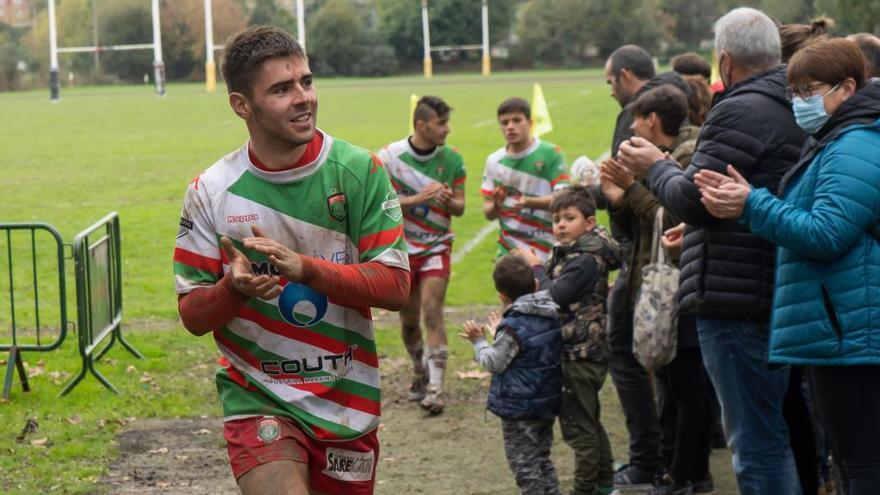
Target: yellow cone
{"type": "Point", "coordinates": [541, 123]}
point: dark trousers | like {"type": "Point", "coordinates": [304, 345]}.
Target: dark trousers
{"type": "Point", "coordinates": [527, 445]}
{"type": "Point", "coordinates": [687, 416]}
{"type": "Point", "coordinates": [847, 402]}
{"type": "Point", "coordinates": [632, 383]}
{"type": "Point", "coordinates": [581, 425]}
{"type": "Point", "coordinates": [800, 432]}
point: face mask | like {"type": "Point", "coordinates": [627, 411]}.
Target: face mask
{"type": "Point", "coordinates": [809, 113]}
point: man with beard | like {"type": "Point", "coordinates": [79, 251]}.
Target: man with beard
{"type": "Point", "coordinates": [284, 245]}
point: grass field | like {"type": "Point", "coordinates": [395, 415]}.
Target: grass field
{"type": "Point", "coordinates": [122, 149]}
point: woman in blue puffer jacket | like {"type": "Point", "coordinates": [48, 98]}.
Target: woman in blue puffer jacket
{"type": "Point", "coordinates": [826, 305]}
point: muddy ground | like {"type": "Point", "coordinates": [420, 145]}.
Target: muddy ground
{"type": "Point", "coordinates": [459, 452]}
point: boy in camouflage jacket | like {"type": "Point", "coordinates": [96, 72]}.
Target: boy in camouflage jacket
{"type": "Point", "coordinates": [576, 276]}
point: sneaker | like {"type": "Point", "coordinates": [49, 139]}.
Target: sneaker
{"type": "Point", "coordinates": [705, 486]}
{"type": "Point", "coordinates": [665, 485]}
{"type": "Point", "coordinates": [433, 402]}
{"type": "Point", "coordinates": [632, 476]}
{"type": "Point", "coordinates": [417, 387]}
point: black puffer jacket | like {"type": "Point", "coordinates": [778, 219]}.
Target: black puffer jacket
{"type": "Point", "coordinates": [726, 272]}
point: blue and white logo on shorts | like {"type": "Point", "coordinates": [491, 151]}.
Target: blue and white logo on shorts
{"type": "Point", "coordinates": [301, 306]}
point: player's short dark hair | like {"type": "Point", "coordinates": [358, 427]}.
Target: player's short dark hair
{"type": "Point", "coordinates": [515, 105]}
{"type": "Point", "coordinates": [513, 276]}
{"type": "Point", "coordinates": [575, 196]}
{"type": "Point", "coordinates": [692, 64]}
{"type": "Point", "coordinates": [249, 48]}
{"type": "Point", "coordinates": [870, 47]}
{"type": "Point", "coordinates": [634, 59]}
{"type": "Point", "coordinates": [668, 102]}
{"type": "Point", "coordinates": [428, 106]}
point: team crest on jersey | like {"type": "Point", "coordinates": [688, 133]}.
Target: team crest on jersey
{"type": "Point", "coordinates": [269, 429]}
{"type": "Point", "coordinates": [391, 206]}
{"type": "Point", "coordinates": [336, 205]}
{"type": "Point", "coordinates": [441, 170]}
{"type": "Point", "coordinates": [539, 165]}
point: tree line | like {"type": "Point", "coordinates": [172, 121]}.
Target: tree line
{"type": "Point", "coordinates": [383, 37]}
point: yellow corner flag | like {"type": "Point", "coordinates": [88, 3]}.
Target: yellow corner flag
{"type": "Point", "coordinates": [541, 123]}
{"type": "Point", "coordinates": [716, 74]}
{"type": "Point", "coordinates": [413, 101]}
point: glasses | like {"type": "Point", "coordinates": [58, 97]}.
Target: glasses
{"type": "Point", "coordinates": [805, 91]}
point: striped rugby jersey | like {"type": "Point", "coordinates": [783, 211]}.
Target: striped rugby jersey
{"type": "Point", "coordinates": [426, 226]}
{"type": "Point", "coordinates": [536, 171]}
{"type": "Point", "coordinates": [299, 355]}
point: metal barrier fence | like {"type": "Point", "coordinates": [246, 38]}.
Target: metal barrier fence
{"type": "Point", "coordinates": [98, 262]}
{"type": "Point", "coordinates": [15, 347]}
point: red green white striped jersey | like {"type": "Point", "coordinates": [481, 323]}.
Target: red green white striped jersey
{"type": "Point", "coordinates": [537, 171]}
{"type": "Point", "coordinates": [300, 355]}
{"type": "Point", "coordinates": [426, 226]}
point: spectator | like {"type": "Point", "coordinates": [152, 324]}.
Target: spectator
{"type": "Point", "coordinates": [699, 100]}
{"type": "Point", "coordinates": [796, 36]}
{"type": "Point", "coordinates": [576, 275]}
{"type": "Point", "coordinates": [826, 228]}
{"type": "Point", "coordinates": [630, 73]}
{"type": "Point", "coordinates": [692, 64]}
{"type": "Point", "coordinates": [683, 388]}
{"type": "Point", "coordinates": [870, 47]}
{"type": "Point", "coordinates": [726, 271]}
{"type": "Point", "coordinates": [526, 385]}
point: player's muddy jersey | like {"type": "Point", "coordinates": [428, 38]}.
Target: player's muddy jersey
{"type": "Point", "coordinates": [536, 171]}
{"type": "Point", "coordinates": [427, 226]}
{"type": "Point", "coordinates": [300, 355]}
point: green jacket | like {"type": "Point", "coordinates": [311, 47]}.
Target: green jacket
{"type": "Point", "coordinates": [640, 206]}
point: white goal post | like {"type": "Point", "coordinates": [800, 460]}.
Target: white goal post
{"type": "Point", "coordinates": [428, 64]}
{"type": "Point", "coordinates": [210, 47]}
{"type": "Point", "coordinates": [156, 46]}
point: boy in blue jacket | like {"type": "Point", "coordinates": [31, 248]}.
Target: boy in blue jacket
{"type": "Point", "coordinates": [524, 360]}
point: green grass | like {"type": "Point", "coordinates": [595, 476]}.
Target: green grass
{"type": "Point", "coordinates": [104, 149]}
{"type": "Point", "coordinates": [122, 149]}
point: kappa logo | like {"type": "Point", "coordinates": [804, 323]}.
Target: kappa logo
{"type": "Point", "coordinates": [252, 217]}
{"type": "Point", "coordinates": [391, 206]}
{"type": "Point", "coordinates": [348, 465]}
{"type": "Point", "coordinates": [337, 206]}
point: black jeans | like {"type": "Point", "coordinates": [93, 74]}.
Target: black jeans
{"type": "Point", "coordinates": [847, 402]}
{"type": "Point", "coordinates": [686, 415]}
{"type": "Point", "coordinates": [800, 432]}
{"type": "Point", "coordinates": [632, 383]}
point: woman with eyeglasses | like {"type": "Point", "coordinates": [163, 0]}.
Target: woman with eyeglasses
{"type": "Point", "coordinates": [826, 225]}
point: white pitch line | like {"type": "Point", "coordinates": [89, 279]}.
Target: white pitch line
{"type": "Point", "coordinates": [472, 243]}
{"type": "Point", "coordinates": [484, 123]}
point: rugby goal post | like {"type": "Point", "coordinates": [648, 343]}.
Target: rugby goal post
{"type": "Point", "coordinates": [156, 46]}
{"type": "Point", "coordinates": [428, 64]}
{"type": "Point", "coordinates": [210, 47]}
